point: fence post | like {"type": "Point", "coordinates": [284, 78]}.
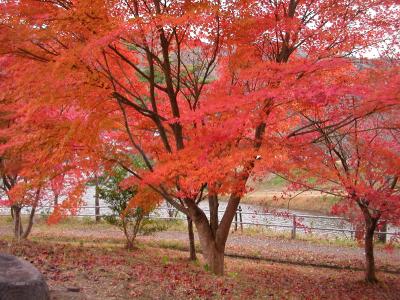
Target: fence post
{"type": "Point", "coordinates": [382, 236]}
{"type": "Point", "coordinates": [97, 201]}
{"type": "Point", "coordinates": [236, 221]}
{"type": "Point", "coordinates": [294, 227]}
{"type": "Point", "coordinates": [352, 232]}
{"type": "Point", "coordinates": [240, 218]}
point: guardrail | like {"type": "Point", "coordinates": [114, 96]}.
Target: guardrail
{"type": "Point", "coordinates": [295, 220]}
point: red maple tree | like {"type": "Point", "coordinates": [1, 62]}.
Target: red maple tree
{"type": "Point", "coordinates": [349, 148]}
{"type": "Point", "coordinates": [199, 90]}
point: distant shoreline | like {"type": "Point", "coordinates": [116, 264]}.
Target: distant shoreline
{"type": "Point", "coordinates": [307, 202]}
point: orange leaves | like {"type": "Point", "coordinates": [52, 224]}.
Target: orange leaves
{"type": "Point", "coordinates": [69, 206]}
{"type": "Point", "coordinates": [146, 199]}
{"type": "Point", "coordinates": [186, 86]}
{"type": "Point", "coordinates": [19, 195]}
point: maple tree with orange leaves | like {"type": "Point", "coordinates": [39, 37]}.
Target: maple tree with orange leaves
{"type": "Point", "coordinates": [199, 90]}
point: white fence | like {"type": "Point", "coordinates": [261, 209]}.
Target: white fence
{"type": "Point", "coordinates": [282, 221]}
{"type": "Point", "coordinates": [294, 222]}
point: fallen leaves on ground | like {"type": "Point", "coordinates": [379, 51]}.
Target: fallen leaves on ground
{"type": "Point", "coordinates": [154, 273]}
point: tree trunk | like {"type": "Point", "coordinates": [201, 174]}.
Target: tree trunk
{"type": "Point", "coordinates": [129, 240]}
{"type": "Point", "coordinates": [17, 222]}
{"type": "Point", "coordinates": [32, 215]}
{"type": "Point", "coordinates": [213, 250]}
{"type": "Point", "coordinates": [213, 244]}
{"type": "Point", "coordinates": [19, 232]}
{"type": "Point", "coordinates": [30, 223]}
{"type": "Point", "coordinates": [213, 206]}
{"type": "Point", "coordinates": [371, 222]}
{"type": "Point", "coordinates": [130, 244]}
{"type": "Point", "coordinates": [216, 260]}
{"type": "Point", "coordinates": [192, 248]}
{"type": "Point", "coordinates": [370, 275]}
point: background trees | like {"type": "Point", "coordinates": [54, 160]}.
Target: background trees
{"type": "Point", "coordinates": [350, 149]}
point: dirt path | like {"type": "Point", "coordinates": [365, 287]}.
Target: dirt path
{"type": "Point", "coordinates": [296, 251]}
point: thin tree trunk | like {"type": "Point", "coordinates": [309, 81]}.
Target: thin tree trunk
{"type": "Point", "coordinates": [32, 215]}
{"type": "Point", "coordinates": [131, 232]}
{"type": "Point", "coordinates": [370, 226]}
{"type": "Point", "coordinates": [30, 223]}
{"type": "Point", "coordinates": [136, 228]}
{"type": "Point", "coordinates": [371, 222]}
{"type": "Point", "coordinates": [129, 243]}
{"type": "Point", "coordinates": [192, 247]}
{"type": "Point", "coordinates": [213, 206]}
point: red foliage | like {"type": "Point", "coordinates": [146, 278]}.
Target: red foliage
{"type": "Point", "coordinates": [196, 91]}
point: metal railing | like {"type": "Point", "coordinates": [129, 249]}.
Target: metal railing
{"type": "Point", "coordinates": [294, 222]}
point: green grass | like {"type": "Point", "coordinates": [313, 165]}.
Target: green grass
{"type": "Point", "coordinates": [88, 222]}
{"type": "Point", "coordinates": [274, 183]}
{"type": "Point", "coordinates": [277, 182]}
